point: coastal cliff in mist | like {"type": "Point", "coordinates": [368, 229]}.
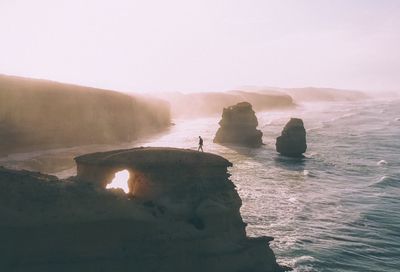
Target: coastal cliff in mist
{"type": "Point", "coordinates": [314, 94]}
{"type": "Point", "coordinates": [211, 103]}
{"type": "Point", "coordinates": [36, 114]}
{"type": "Point", "coordinates": [309, 94]}
{"type": "Point", "coordinates": [262, 98]}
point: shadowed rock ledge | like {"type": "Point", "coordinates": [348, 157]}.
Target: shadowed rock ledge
{"type": "Point", "coordinates": [239, 126]}
{"type": "Point", "coordinates": [182, 214]}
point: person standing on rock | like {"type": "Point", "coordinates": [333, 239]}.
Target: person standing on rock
{"type": "Point", "coordinates": [200, 144]}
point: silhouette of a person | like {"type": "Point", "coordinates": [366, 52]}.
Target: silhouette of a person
{"type": "Point", "coordinates": [200, 144]}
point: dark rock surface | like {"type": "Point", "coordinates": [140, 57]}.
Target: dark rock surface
{"type": "Point", "coordinates": [239, 126]}
{"type": "Point", "coordinates": [292, 142]}
{"type": "Point", "coordinates": [183, 215]}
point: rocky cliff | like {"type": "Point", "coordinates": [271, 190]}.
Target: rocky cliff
{"type": "Point", "coordinates": [239, 126]}
{"type": "Point", "coordinates": [182, 214]}
{"type": "Point", "coordinates": [313, 94]}
{"type": "Point", "coordinates": [292, 142]}
{"type": "Point", "coordinates": [39, 114]}
{"type": "Point", "coordinates": [211, 103]}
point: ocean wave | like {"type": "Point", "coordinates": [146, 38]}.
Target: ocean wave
{"type": "Point", "coordinates": [303, 259]}
{"type": "Point", "coordinates": [344, 116]}
{"type": "Point", "coordinates": [307, 173]}
{"type": "Point", "coordinates": [314, 128]}
{"type": "Point", "coordinates": [386, 181]}
{"type": "Point", "coordinates": [382, 162]}
{"type": "Point", "coordinates": [303, 264]}
{"type": "Point", "coordinates": [312, 155]}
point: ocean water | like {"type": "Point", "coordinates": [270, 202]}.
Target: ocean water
{"type": "Point", "coordinates": [337, 209]}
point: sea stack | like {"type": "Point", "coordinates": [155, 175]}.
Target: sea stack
{"type": "Point", "coordinates": [292, 142]}
{"type": "Point", "coordinates": [239, 126]}
{"type": "Point", "coordinates": [182, 213]}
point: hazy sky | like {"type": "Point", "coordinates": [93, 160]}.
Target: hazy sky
{"type": "Point", "coordinates": [184, 45]}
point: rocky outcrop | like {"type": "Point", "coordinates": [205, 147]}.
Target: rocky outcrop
{"type": "Point", "coordinates": [182, 214]}
{"type": "Point", "coordinates": [292, 142]}
{"type": "Point", "coordinates": [239, 126]}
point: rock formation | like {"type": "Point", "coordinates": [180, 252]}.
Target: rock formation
{"type": "Point", "coordinates": [314, 94]}
{"type": "Point", "coordinates": [182, 214]}
{"type": "Point", "coordinates": [292, 142]}
{"type": "Point", "coordinates": [239, 126]}
{"type": "Point", "coordinates": [210, 103]}
{"type": "Point", "coordinates": [40, 114]}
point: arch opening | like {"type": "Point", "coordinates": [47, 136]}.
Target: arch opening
{"type": "Point", "coordinates": [120, 181]}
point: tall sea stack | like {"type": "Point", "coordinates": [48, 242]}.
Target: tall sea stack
{"type": "Point", "coordinates": [292, 142]}
{"type": "Point", "coordinates": [239, 126]}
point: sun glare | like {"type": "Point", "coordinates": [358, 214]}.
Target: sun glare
{"type": "Point", "coordinates": [120, 181]}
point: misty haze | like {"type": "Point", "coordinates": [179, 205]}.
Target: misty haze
{"type": "Point", "coordinates": [221, 136]}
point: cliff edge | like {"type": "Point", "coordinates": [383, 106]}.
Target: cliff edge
{"type": "Point", "coordinates": [181, 214]}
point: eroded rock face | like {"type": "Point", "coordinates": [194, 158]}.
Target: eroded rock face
{"type": "Point", "coordinates": [184, 216]}
{"type": "Point", "coordinates": [239, 126]}
{"type": "Point", "coordinates": [292, 142]}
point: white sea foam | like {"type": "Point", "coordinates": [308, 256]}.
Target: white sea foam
{"type": "Point", "coordinates": [382, 162]}
{"type": "Point", "coordinates": [308, 173]}
{"type": "Point", "coordinates": [303, 259]}
{"type": "Point", "coordinates": [336, 118]}
{"type": "Point", "coordinates": [314, 128]}
{"type": "Point", "coordinates": [385, 181]}
{"type": "Point", "coordinates": [382, 179]}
